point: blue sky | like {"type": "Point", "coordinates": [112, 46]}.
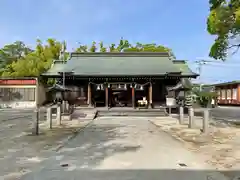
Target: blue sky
{"type": "Point", "coordinates": [180, 25]}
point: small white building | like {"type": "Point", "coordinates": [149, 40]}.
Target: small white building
{"type": "Point", "coordinates": [21, 93]}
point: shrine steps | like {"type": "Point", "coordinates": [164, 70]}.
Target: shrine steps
{"type": "Point", "coordinates": [118, 111]}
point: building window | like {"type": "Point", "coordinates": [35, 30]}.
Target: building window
{"type": "Point", "coordinates": [17, 94]}
{"type": "Point", "coordinates": [234, 95]}
{"type": "Point", "coordinates": [229, 94]}
{"type": "Point", "coordinates": [223, 94]}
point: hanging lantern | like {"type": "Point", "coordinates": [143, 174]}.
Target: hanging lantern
{"type": "Point", "coordinates": [98, 87]}
{"type": "Point", "coordinates": [125, 86]}
{"type": "Point", "coordinates": [101, 86]}
{"type": "Point", "coordinates": [141, 88]}
{"type": "Point", "coordinates": [119, 86]}
{"type": "Point", "coordinates": [131, 86]}
{"type": "Point", "coordinates": [135, 86]}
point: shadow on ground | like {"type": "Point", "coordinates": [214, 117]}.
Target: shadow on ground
{"type": "Point", "coordinates": [88, 150]}
{"type": "Point", "coordinates": [97, 143]}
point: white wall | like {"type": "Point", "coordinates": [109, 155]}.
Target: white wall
{"type": "Point", "coordinates": [41, 94]}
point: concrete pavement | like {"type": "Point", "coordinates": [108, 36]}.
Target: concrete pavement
{"type": "Point", "coordinates": [222, 114]}
{"type": "Point", "coordinates": [228, 113]}
{"type": "Point", "coordinates": [123, 148]}
{"type": "Point", "coordinates": [20, 151]}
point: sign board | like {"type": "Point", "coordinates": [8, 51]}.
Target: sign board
{"type": "Point", "coordinates": [170, 101]}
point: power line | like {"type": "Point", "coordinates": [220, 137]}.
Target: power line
{"type": "Point", "coordinates": [224, 65]}
{"type": "Point", "coordinates": [217, 64]}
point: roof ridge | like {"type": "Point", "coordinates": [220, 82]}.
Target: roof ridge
{"type": "Point", "coordinates": [116, 54]}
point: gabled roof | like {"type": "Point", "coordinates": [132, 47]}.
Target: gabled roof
{"type": "Point", "coordinates": [184, 68]}
{"type": "Point", "coordinates": [184, 83]}
{"type": "Point", "coordinates": [56, 67]}
{"type": "Point", "coordinates": [227, 83]}
{"type": "Point", "coordinates": [58, 87]}
{"type": "Point", "coordinates": [121, 64]}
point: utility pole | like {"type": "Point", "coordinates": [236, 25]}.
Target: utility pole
{"type": "Point", "coordinates": [63, 59]}
{"type": "Point", "coordinates": [36, 117]}
{"type": "Point", "coordinates": [200, 63]}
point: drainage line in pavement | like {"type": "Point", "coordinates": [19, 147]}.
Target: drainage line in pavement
{"type": "Point", "coordinates": [71, 137]}
{"type": "Point", "coordinates": [4, 120]}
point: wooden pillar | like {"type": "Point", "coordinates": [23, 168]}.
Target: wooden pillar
{"type": "Point", "coordinates": [89, 95]}
{"type": "Point", "coordinates": [106, 96]}
{"type": "Point", "coordinates": [150, 95]}
{"type": "Point", "coordinates": [133, 97]}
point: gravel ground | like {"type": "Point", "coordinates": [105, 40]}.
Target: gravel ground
{"type": "Point", "coordinates": [219, 148]}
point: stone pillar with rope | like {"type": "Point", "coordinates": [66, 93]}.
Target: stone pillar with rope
{"type": "Point", "coordinates": [188, 103]}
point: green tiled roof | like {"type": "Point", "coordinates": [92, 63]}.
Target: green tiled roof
{"type": "Point", "coordinates": [57, 67]}
{"type": "Point", "coordinates": [184, 68]}
{"type": "Point", "coordinates": [120, 64]}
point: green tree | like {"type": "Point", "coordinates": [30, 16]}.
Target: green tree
{"type": "Point", "coordinates": [112, 48]}
{"type": "Point", "coordinates": [123, 45]}
{"type": "Point", "coordinates": [24, 62]}
{"type": "Point", "coordinates": [36, 62]}
{"type": "Point", "coordinates": [139, 47]}
{"type": "Point", "coordinates": [93, 47]}
{"type": "Point", "coordinates": [102, 48]}
{"type": "Point", "coordinates": [224, 23]}
{"type": "Point", "coordinates": [82, 48]}
{"type": "Point", "coordinates": [12, 52]}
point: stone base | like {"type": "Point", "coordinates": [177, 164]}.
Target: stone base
{"type": "Point", "coordinates": [66, 117]}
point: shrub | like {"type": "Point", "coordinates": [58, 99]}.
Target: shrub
{"type": "Point", "coordinates": [205, 98]}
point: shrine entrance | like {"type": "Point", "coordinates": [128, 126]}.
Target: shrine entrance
{"type": "Point", "coordinates": [120, 95]}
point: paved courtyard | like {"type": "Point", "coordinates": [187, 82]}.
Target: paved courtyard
{"type": "Point", "coordinates": [122, 148]}
{"type": "Point", "coordinates": [19, 149]}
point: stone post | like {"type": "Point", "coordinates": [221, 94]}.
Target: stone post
{"type": "Point", "coordinates": [206, 121]}
{"type": "Point", "coordinates": [49, 117]}
{"type": "Point", "coordinates": [64, 106]}
{"type": "Point", "coordinates": [36, 122]}
{"type": "Point", "coordinates": [59, 117]}
{"type": "Point", "coordinates": [67, 106]}
{"type": "Point", "coordinates": [181, 115]}
{"type": "Point", "coordinates": [191, 117]}
{"type": "Point", "coordinates": [169, 110]}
